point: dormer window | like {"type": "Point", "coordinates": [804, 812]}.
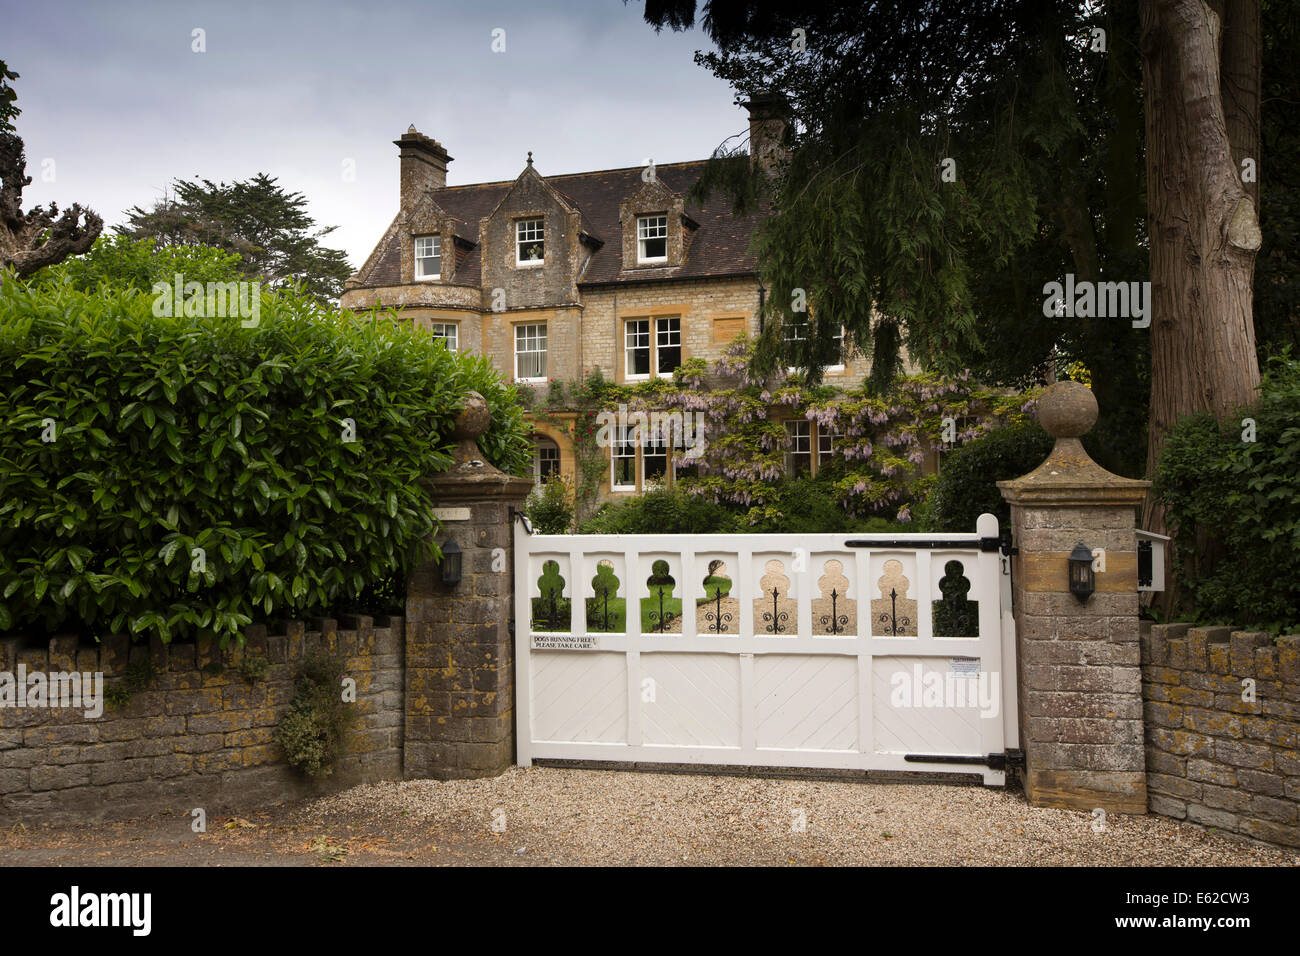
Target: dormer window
{"type": "Point", "coordinates": [428, 257]}
{"type": "Point", "coordinates": [652, 239]}
{"type": "Point", "coordinates": [530, 242]}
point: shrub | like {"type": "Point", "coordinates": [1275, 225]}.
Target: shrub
{"type": "Point", "coordinates": [666, 510]}
{"type": "Point", "coordinates": [968, 475]}
{"type": "Point", "coordinates": [1234, 508]}
{"type": "Point", "coordinates": [198, 472]}
{"type": "Point", "coordinates": [550, 508]}
{"type": "Point", "coordinates": [254, 669]}
{"type": "Point", "coordinates": [311, 731]}
{"type": "Point", "coordinates": [803, 506]}
{"type": "Point", "coordinates": [124, 263]}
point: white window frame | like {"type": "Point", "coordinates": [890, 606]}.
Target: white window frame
{"type": "Point", "coordinates": [660, 332]}
{"type": "Point", "coordinates": [649, 227]}
{"type": "Point", "coordinates": [806, 325]}
{"type": "Point", "coordinates": [628, 349]}
{"type": "Point", "coordinates": [440, 330]}
{"type": "Point", "coordinates": [838, 368]}
{"type": "Point", "coordinates": [436, 243]}
{"type": "Point", "coordinates": [793, 429]}
{"type": "Point", "coordinates": [548, 445]}
{"type": "Point", "coordinates": [536, 230]}
{"type": "Point", "coordinates": [659, 442]}
{"type": "Point", "coordinates": [624, 438]}
{"type": "Point", "coordinates": [535, 337]}
{"type": "Point", "coordinates": [825, 445]}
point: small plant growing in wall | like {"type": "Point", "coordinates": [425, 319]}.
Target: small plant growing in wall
{"type": "Point", "coordinates": [139, 674]}
{"type": "Point", "coordinates": [254, 669]}
{"type": "Point", "coordinates": [311, 731]}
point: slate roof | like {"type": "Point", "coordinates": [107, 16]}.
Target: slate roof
{"type": "Point", "coordinates": [719, 247]}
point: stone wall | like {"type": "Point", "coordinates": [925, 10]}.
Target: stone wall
{"type": "Point", "coordinates": [1213, 757]}
{"type": "Point", "coordinates": [198, 734]}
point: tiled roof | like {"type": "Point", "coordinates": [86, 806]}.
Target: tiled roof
{"type": "Point", "coordinates": [719, 247]}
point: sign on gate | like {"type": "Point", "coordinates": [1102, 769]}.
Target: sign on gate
{"type": "Point", "coordinates": [872, 652]}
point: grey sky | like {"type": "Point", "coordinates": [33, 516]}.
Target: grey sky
{"type": "Point", "coordinates": [112, 92]}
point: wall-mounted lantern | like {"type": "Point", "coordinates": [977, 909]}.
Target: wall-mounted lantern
{"type": "Point", "coordinates": [450, 564]}
{"type": "Point", "coordinates": [1082, 581]}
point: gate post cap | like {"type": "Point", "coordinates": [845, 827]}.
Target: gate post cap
{"type": "Point", "coordinates": [1067, 410]}
{"type": "Point", "coordinates": [472, 420]}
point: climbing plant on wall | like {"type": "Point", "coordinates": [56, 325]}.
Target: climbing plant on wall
{"type": "Point", "coordinates": [880, 441]}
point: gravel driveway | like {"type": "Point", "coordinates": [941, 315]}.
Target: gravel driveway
{"type": "Point", "coordinates": [540, 815]}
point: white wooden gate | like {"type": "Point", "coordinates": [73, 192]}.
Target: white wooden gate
{"type": "Point", "coordinates": [871, 652]}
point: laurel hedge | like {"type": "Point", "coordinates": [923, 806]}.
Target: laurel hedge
{"type": "Point", "coordinates": [1232, 493]}
{"type": "Point", "coordinates": [180, 476]}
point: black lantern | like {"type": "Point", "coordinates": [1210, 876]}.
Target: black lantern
{"type": "Point", "coordinates": [1081, 576]}
{"type": "Point", "coordinates": [450, 564]}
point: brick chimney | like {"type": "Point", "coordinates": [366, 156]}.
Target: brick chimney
{"type": "Point", "coordinates": [423, 164]}
{"type": "Point", "coordinates": [768, 114]}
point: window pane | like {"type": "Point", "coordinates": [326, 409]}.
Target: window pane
{"type": "Point", "coordinates": [446, 332]}
{"type": "Point", "coordinates": [530, 351]}
{"type": "Point", "coordinates": [825, 445]}
{"type": "Point", "coordinates": [636, 337]}
{"type": "Point", "coordinates": [623, 458]}
{"type": "Point", "coordinates": [546, 460]}
{"type": "Point", "coordinates": [668, 336]}
{"type": "Point", "coordinates": [798, 458]}
{"type": "Point", "coordinates": [656, 462]}
{"type": "Point", "coordinates": [530, 240]}
{"type": "Point", "coordinates": [654, 248]}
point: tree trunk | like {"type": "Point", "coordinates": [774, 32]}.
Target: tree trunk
{"type": "Point", "coordinates": [1204, 227]}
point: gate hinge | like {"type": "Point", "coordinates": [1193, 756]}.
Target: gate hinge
{"type": "Point", "coordinates": [1008, 758]}
{"type": "Point", "coordinates": [516, 513]}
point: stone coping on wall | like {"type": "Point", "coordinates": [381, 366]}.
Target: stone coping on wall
{"type": "Point", "coordinates": [1222, 714]}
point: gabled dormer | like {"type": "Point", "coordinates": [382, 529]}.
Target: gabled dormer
{"type": "Point", "coordinates": [534, 244]}
{"type": "Point", "coordinates": [428, 242]}
{"type": "Point", "coordinates": [655, 227]}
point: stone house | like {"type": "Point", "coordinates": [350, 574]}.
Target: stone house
{"type": "Point", "coordinates": [555, 276]}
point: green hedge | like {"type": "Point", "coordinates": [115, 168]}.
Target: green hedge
{"type": "Point", "coordinates": [799, 506]}
{"type": "Point", "coordinates": [665, 510]}
{"type": "Point", "coordinates": [968, 475]}
{"type": "Point", "coordinates": [173, 434]}
{"type": "Point", "coordinates": [1234, 509]}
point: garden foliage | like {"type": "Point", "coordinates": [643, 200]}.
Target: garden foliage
{"type": "Point", "coordinates": [1233, 498]}
{"type": "Point", "coordinates": [174, 476]}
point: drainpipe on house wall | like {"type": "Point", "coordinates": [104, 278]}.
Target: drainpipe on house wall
{"type": "Point", "coordinates": [762, 299]}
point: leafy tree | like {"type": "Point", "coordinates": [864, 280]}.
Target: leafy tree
{"type": "Point", "coordinates": [124, 263]}
{"type": "Point", "coordinates": [7, 97]}
{"type": "Point", "coordinates": [1033, 100]}
{"type": "Point", "coordinates": [945, 162]}
{"type": "Point", "coordinates": [268, 227]}
{"type": "Point", "coordinates": [1201, 80]}
{"type": "Point", "coordinates": [1277, 269]}
{"type": "Point", "coordinates": [40, 237]}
